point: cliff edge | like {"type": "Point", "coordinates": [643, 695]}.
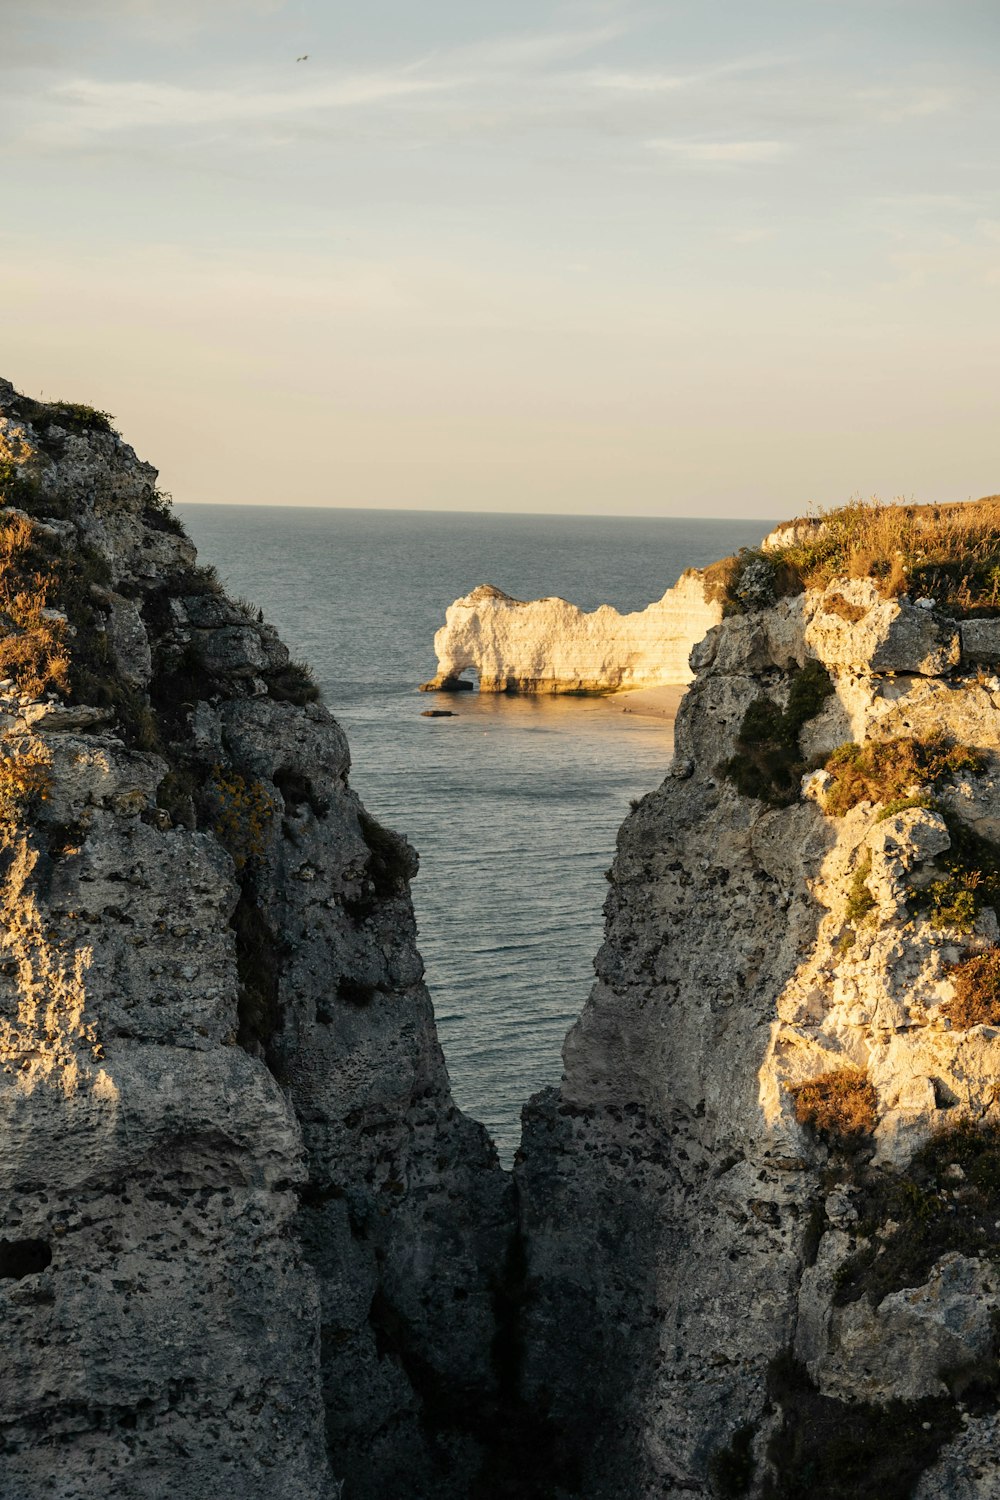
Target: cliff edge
{"type": "Point", "coordinates": [762, 1211]}
{"type": "Point", "coordinates": [249, 1245]}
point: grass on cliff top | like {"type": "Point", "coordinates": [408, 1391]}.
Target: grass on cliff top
{"type": "Point", "coordinates": [950, 553]}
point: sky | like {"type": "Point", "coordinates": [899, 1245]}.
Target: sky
{"type": "Point", "coordinates": [708, 258]}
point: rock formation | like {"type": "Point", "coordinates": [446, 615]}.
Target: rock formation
{"type": "Point", "coordinates": [550, 646]}
{"type": "Point", "coordinates": [249, 1246]}
{"type": "Point", "coordinates": [762, 1212]}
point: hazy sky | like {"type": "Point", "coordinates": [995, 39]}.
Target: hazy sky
{"type": "Point", "coordinates": [707, 258]}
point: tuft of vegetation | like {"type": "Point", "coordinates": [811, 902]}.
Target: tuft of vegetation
{"type": "Point", "coordinates": [392, 860]}
{"type": "Point", "coordinates": [850, 1450]}
{"type": "Point", "coordinates": [950, 553]}
{"type": "Point", "coordinates": [860, 901]}
{"type": "Point", "coordinates": [175, 795]}
{"type": "Point", "coordinates": [908, 1220]}
{"type": "Point", "coordinates": [18, 486]}
{"type": "Point", "coordinates": [841, 1106]}
{"type": "Point", "coordinates": [159, 514]}
{"type": "Point", "coordinates": [77, 417]}
{"type": "Point", "coordinates": [976, 1001]}
{"type": "Point", "coordinates": [25, 780]}
{"type": "Point", "coordinates": [202, 579]}
{"type": "Point", "coordinates": [32, 636]}
{"type": "Point", "coordinates": [768, 763]}
{"type": "Point", "coordinates": [751, 579]}
{"type": "Point", "coordinates": [259, 958]}
{"type": "Point", "coordinates": [238, 812]}
{"type": "Point", "coordinates": [886, 770]}
{"type": "Point", "coordinates": [903, 804]}
{"type": "Point", "coordinates": [970, 879]}
{"type": "Point", "coordinates": [293, 683]}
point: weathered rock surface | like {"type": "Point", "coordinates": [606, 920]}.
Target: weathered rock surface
{"type": "Point", "coordinates": [685, 1233]}
{"type": "Point", "coordinates": [550, 646]}
{"type": "Point", "coordinates": [249, 1246]}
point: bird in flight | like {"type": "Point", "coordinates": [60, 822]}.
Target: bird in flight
{"type": "Point", "coordinates": [303, 58]}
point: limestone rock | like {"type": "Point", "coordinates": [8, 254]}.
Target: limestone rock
{"type": "Point", "coordinates": [247, 1238]}
{"type": "Point", "coordinates": [854, 627]}
{"type": "Point", "coordinates": [682, 1230]}
{"type": "Point", "coordinates": [550, 646]}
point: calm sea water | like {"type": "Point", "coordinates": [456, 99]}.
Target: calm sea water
{"type": "Point", "coordinates": [515, 803]}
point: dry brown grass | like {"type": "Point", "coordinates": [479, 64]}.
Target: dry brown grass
{"type": "Point", "coordinates": [32, 645]}
{"type": "Point", "coordinates": [841, 1106]}
{"type": "Point", "coordinates": [885, 770]}
{"type": "Point", "coordinates": [25, 778]}
{"type": "Point", "coordinates": [939, 549]}
{"type": "Point", "coordinates": [976, 1001]}
{"type": "Point", "coordinates": [948, 552]}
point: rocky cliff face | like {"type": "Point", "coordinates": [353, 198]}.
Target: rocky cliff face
{"type": "Point", "coordinates": [550, 646]}
{"type": "Point", "coordinates": [763, 1210]}
{"type": "Point", "coordinates": [249, 1246]}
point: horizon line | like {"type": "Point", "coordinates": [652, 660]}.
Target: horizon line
{"type": "Point", "coordinates": [414, 510]}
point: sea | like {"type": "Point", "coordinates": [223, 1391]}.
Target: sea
{"type": "Point", "coordinates": [514, 803]}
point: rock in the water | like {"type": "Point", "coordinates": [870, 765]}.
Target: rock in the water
{"type": "Point", "coordinates": [550, 646]}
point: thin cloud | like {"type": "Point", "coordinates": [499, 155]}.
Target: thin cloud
{"type": "Point", "coordinates": [103, 107]}
{"type": "Point", "coordinates": [81, 107]}
{"type": "Point", "coordinates": [896, 106]}
{"type": "Point", "coordinates": [529, 50]}
{"type": "Point", "coordinates": [720, 153]}
{"type": "Point", "coordinates": [650, 81]}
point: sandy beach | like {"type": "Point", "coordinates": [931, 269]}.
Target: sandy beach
{"type": "Point", "coordinates": [651, 703]}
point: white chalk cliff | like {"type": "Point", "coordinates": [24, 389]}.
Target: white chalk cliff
{"type": "Point", "coordinates": [551, 646]}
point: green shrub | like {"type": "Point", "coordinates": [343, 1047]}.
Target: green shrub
{"type": "Point", "coordinates": [78, 417]}
{"type": "Point", "coordinates": [933, 1212]}
{"type": "Point", "coordinates": [293, 683]}
{"type": "Point", "coordinates": [768, 763]}
{"type": "Point", "coordinates": [159, 515]}
{"type": "Point", "coordinates": [969, 881]}
{"type": "Point", "coordinates": [825, 1449]}
{"type": "Point", "coordinates": [860, 901]}
{"type": "Point", "coordinates": [903, 804]}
